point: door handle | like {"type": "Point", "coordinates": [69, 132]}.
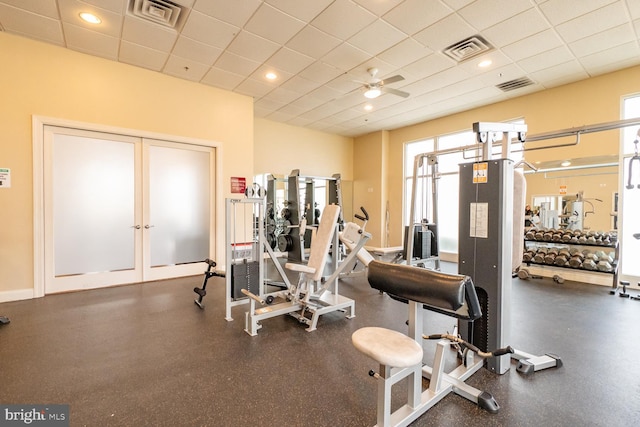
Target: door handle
{"type": "Point", "coordinates": [137, 227]}
{"type": "Point", "coordinates": [148, 226]}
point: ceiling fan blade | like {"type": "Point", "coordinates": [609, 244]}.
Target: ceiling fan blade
{"type": "Point", "coordinates": [392, 79]}
{"type": "Point", "coordinates": [395, 92]}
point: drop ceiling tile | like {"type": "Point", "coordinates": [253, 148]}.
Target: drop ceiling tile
{"type": "Point", "coordinates": [280, 116]}
{"type": "Point", "coordinates": [254, 88]}
{"type": "Point", "coordinates": [304, 10]}
{"type": "Point", "coordinates": [483, 14]}
{"type": "Point", "coordinates": [196, 51]}
{"type": "Point", "coordinates": [600, 61]}
{"type": "Point", "coordinates": [384, 69]}
{"type": "Point", "coordinates": [412, 16]}
{"type": "Point", "coordinates": [377, 37]}
{"type": "Point", "coordinates": [605, 40]}
{"type": "Point", "coordinates": [222, 78]}
{"type": "Point", "coordinates": [324, 94]}
{"type": "Point", "coordinates": [252, 47]}
{"type": "Point", "coordinates": [497, 58]}
{"type": "Point", "coordinates": [444, 33]}
{"type": "Point", "coordinates": [307, 102]}
{"type": "Point", "coordinates": [289, 60]}
{"type": "Point", "coordinates": [147, 34]}
{"type": "Point", "coordinates": [300, 84]}
{"type": "Point", "coordinates": [345, 57]}
{"type": "Point", "coordinates": [342, 19]}
{"type": "Point", "coordinates": [550, 58]}
{"type": "Point", "coordinates": [46, 8]}
{"type": "Point", "coordinates": [282, 95]}
{"type": "Point", "coordinates": [345, 83]}
{"type": "Point", "coordinates": [320, 72]}
{"type": "Point", "coordinates": [516, 28]}
{"type": "Point", "coordinates": [236, 13]}
{"type": "Point", "coordinates": [379, 7]}
{"type": "Point", "coordinates": [141, 56]}
{"type": "Point", "coordinates": [594, 22]}
{"type": "Point", "coordinates": [405, 52]}
{"type": "Point", "coordinates": [209, 30]}
{"type": "Point", "coordinates": [119, 5]}
{"type": "Point", "coordinates": [111, 21]}
{"type": "Point", "coordinates": [185, 68]}
{"type": "Point", "coordinates": [236, 64]}
{"type": "Point", "coordinates": [458, 4]}
{"type": "Point", "coordinates": [559, 11]}
{"type": "Point", "coordinates": [532, 45]}
{"type": "Point", "coordinates": [429, 65]}
{"type": "Point", "coordinates": [313, 42]}
{"type": "Point", "coordinates": [269, 103]}
{"type": "Point", "coordinates": [31, 25]}
{"type": "Point", "coordinates": [502, 74]}
{"type": "Point", "coordinates": [91, 42]}
{"type": "Point", "coordinates": [292, 110]}
{"type": "Point", "coordinates": [271, 24]}
{"type": "Point", "coordinates": [299, 121]}
{"type": "Point", "coordinates": [634, 9]}
{"type": "Point", "coordinates": [560, 74]}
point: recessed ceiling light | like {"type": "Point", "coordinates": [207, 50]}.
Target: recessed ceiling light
{"type": "Point", "coordinates": [485, 63]}
{"type": "Point", "coordinates": [565, 163]}
{"type": "Point", "coordinates": [368, 107]}
{"type": "Point", "coordinates": [90, 18]}
{"type": "Point", "coordinates": [271, 76]}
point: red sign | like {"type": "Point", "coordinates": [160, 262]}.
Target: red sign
{"type": "Point", "coordinates": [238, 184]}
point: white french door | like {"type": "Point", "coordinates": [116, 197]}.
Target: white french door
{"type": "Point", "coordinates": [121, 209]}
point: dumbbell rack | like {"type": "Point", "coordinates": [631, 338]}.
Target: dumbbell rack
{"type": "Point", "coordinates": [595, 277]}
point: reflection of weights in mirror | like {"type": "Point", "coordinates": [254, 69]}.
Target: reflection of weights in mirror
{"type": "Point", "coordinates": [255, 191]}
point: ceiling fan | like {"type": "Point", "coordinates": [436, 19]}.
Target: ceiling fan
{"type": "Point", "coordinates": [376, 87]}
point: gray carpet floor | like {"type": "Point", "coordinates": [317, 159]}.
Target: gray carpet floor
{"type": "Point", "coordinates": [146, 355]}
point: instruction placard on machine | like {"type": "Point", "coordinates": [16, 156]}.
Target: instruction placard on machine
{"type": "Point", "coordinates": [479, 215]}
{"type": "Point", "coordinates": [480, 172]}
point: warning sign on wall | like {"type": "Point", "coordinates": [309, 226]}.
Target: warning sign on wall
{"type": "Point", "coordinates": [563, 189]}
{"type": "Point", "coordinates": [480, 172]}
{"type": "Point", "coordinates": [5, 178]}
{"type": "Point", "coordinates": [238, 184]}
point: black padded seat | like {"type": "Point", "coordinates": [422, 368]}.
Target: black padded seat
{"type": "Point", "coordinates": [450, 294]}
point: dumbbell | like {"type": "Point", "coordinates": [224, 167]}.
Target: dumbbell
{"type": "Point", "coordinates": [562, 259]}
{"type": "Point", "coordinates": [528, 256]}
{"type": "Point", "coordinates": [624, 293]}
{"type": "Point", "coordinates": [530, 235]}
{"type": "Point", "coordinates": [539, 256]}
{"type": "Point", "coordinates": [558, 279]}
{"type": "Point", "coordinates": [539, 235]}
{"type": "Point", "coordinates": [604, 266]}
{"type": "Point", "coordinates": [524, 274]}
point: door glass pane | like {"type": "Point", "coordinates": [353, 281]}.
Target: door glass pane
{"type": "Point", "coordinates": [179, 200]}
{"type": "Point", "coordinates": [448, 189]}
{"type": "Point", "coordinates": [93, 205]}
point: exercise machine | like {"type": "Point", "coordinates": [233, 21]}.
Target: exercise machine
{"type": "Point", "coordinates": [209, 273]}
{"type": "Point", "coordinates": [314, 294]}
{"type": "Point", "coordinates": [400, 356]}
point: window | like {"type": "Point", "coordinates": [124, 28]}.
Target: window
{"type": "Point", "coordinates": [630, 246]}
{"type": "Point", "coordinates": [447, 182]}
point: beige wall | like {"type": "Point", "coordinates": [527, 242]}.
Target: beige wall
{"type": "Point", "coordinates": [279, 148]}
{"type": "Point", "coordinates": [590, 101]}
{"type": "Point", "coordinates": [45, 80]}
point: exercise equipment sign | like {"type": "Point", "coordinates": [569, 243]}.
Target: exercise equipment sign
{"type": "Point", "coordinates": [480, 172]}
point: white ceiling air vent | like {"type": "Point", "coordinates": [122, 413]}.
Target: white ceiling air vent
{"type": "Point", "coordinates": [515, 84]}
{"type": "Point", "coordinates": [161, 12]}
{"type": "Point", "coordinates": [468, 48]}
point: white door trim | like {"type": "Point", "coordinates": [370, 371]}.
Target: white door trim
{"type": "Point", "coordinates": [38, 125]}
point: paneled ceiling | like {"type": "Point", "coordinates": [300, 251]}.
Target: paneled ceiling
{"type": "Point", "coordinates": [320, 50]}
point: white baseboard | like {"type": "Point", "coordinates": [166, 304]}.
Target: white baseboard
{"type": "Point", "coordinates": [17, 295]}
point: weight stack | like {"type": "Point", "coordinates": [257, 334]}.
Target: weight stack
{"type": "Point", "coordinates": [245, 275]}
{"type": "Point", "coordinates": [421, 242]}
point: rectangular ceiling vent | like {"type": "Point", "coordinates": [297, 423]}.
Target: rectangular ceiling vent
{"type": "Point", "coordinates": [468, 48]}
{"type": "Point", "coordinates": [515, 84]}
{"type": "Point", "coordinates": [163, 12]}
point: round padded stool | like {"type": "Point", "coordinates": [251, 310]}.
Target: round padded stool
{"type": "Point", "coordinates": [387, 347]}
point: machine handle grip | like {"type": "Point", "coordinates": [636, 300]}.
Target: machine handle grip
{"type": "Point", "coordinates": [364, 211]}
{"type": "Point", "coordinates": [503, 351]}
{"type": "Point", "coordinates": [360, 217]}
{"type": "Point", "coordinates": [211, 262]}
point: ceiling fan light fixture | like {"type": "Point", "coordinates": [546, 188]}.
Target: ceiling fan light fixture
{"type": "Point", "coordinates": [373, 92]}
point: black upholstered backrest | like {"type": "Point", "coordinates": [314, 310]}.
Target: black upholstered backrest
{"type": "Point", "coordinates": [450, 294]}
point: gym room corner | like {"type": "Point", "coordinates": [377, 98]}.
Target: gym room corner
{"type": "Point", "coordinates": [319, 213]}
